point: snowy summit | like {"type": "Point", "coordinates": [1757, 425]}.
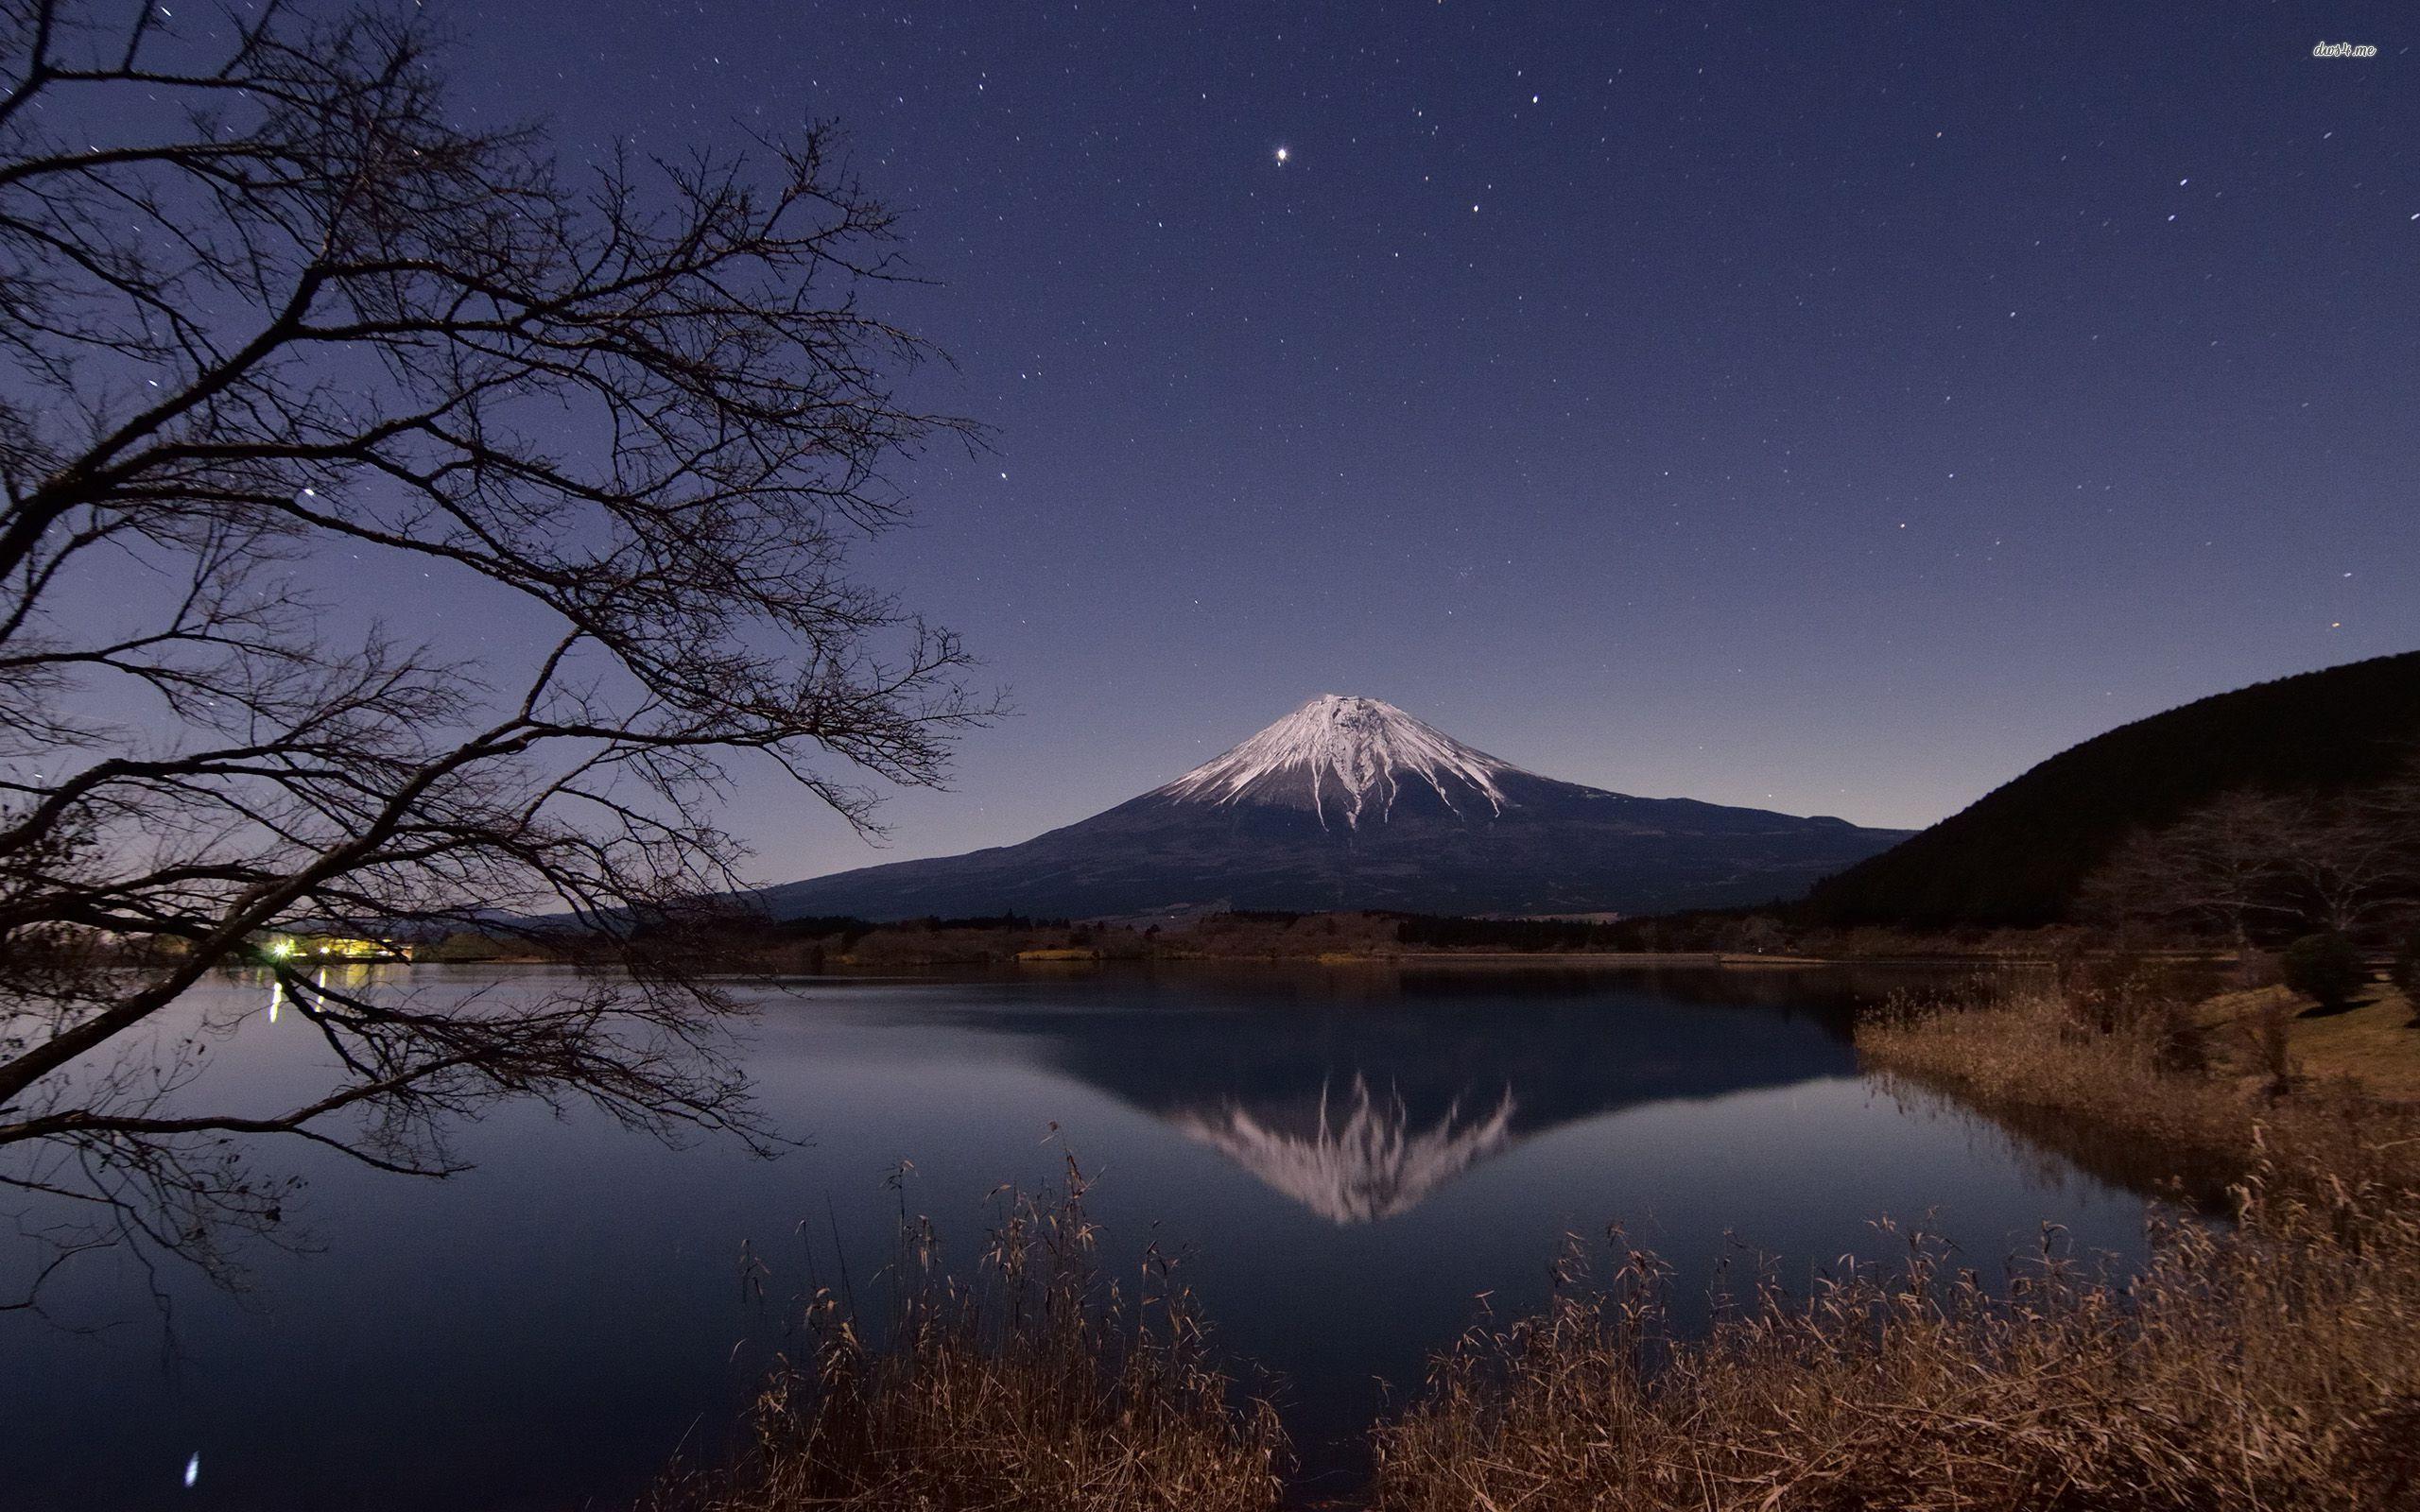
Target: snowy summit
{"type": "Point", "coordinates": [1347, 757]}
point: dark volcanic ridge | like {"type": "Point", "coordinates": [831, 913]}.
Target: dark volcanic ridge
{"type": "Point", "coordinates": [1353, 804]}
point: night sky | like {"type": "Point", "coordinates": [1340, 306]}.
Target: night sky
{"type": "Point", "coordinates": [1837, 409]}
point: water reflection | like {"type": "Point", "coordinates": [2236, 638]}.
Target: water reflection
{"type": "Point", "coordinates": [2057, 1151]}
{"type": "Point", "coordinates": [1370, 1090]}
{"type": "Point", "coordinates": [349, 976]}
{"type": "Point", "coordinates": [1357, 1161]}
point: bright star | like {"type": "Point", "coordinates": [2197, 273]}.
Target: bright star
{"type": "Point", "coordinates": [1283, 153]}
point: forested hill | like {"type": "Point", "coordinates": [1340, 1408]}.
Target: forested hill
{"type": "Point", "coordinates": [2017, 856]}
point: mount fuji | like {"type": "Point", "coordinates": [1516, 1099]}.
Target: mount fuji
{"type": "Point", "coordinates": [1352, 803]}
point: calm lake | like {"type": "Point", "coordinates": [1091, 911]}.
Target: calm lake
{"type": "Point", "coordinates": [1349, 1159]}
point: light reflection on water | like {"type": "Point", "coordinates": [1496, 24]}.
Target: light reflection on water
{"type": "Point", "coordinates": [1347, 1159]}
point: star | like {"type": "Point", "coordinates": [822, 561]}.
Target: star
{"type": "Point", "coordinates": [1283, 153]}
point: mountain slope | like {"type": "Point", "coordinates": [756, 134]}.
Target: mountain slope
{"type": "Point", "coordinates": [2017, 855]}
{"type": "Point", "coordinates": [1353, 804]}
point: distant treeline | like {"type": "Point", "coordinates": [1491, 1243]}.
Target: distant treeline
{"type": "Point", "coordinates": [1417, 931]}
{"type": "Point", "coordinates": [741, 941]}
{"type": "Point", "coordinates": [821, 941]}
{"type": "Point", "coordinates": [848, 927]}
{"type": "Point", "coordinates": [1447, 934]}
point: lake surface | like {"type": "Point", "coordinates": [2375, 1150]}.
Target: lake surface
{"type": "Point", "coordinates": [1349, 1158]}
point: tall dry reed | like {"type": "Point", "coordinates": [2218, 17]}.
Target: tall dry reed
{"type": "Point", "coordinates": [1033, 1383]}
{"type": "Point", "coordinates": [2275, 1364]}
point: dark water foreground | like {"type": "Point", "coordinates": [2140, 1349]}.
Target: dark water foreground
{"type": "Point", "coordinates": [1349, 1158]}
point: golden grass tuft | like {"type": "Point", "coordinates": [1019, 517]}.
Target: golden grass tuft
{"type": "Point", "coordinates": [1034, 1386]}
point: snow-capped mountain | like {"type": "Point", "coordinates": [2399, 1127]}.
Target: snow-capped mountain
{"type": "Point", "coordinates": [1350, 803]}
{"type": "Point", "coordinates": [1340, 757]}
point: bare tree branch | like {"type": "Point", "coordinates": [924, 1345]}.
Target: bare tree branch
{"type": "Point", "coordinates": [263, 303]}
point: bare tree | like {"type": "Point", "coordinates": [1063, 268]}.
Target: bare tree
{"type": "Point", "coordinates": [2350, 866]}
{"type": "Point", "coordinates": [265, 309]}
{"type": "Point", "coordinates": [2343, 863]}
{"type": "Point", "coordinates": [2223, 867]}
{"type": "Point", "coordinates": [2392, 811]}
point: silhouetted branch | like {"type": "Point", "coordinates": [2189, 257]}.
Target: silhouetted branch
{"type": "Point", "coordinates": [286, 312]}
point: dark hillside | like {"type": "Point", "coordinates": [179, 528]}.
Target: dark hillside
{"type": "Point", "coordinates": [2017, 856]}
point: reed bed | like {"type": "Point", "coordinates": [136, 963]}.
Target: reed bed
{"type": "Point", "coordinates": [1034, 1385]}
{"type": "Point", "coordinates": [2194, 1088]}
{"type": "Point", "coordinates": [2273, 1365]}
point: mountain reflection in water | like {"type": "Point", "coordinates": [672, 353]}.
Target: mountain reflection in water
{"type": "Point", "coordinates": [1381, 1086]}
{"type": "Point", "coordinates": [1370, 1162]}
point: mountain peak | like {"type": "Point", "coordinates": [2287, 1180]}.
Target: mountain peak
{"type": "Point", "coordinates": [1347, 757]}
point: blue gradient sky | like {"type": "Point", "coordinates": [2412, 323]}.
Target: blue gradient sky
{"type": "Point", "coordinates": [1837, 409]}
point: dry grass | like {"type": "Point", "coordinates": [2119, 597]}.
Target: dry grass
{"type": "Point", "coordinates": [2184, 1087]}
{"type": "Point", "coordinates": [2373, 1048]}
{"type": "Point", "coordinates": [1037, 1385]}
{"type": "Point", "coordinates": [2274, 1365]}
